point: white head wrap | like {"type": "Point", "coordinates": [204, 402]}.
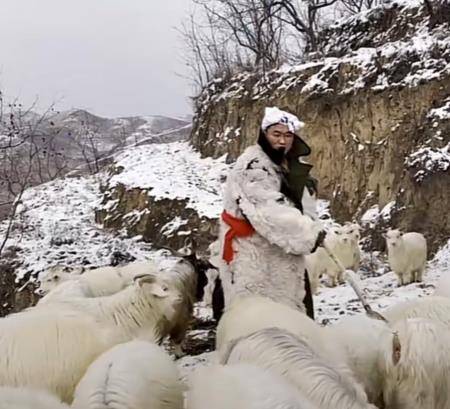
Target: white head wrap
{"type": "Point", "coordinates": [274, 115]}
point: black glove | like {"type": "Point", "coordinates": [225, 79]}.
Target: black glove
{"type": "Point", "coordinates": [319, 240]}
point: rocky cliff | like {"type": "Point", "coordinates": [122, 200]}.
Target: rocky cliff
{"type": "Point", "coordinates": [377, 110]}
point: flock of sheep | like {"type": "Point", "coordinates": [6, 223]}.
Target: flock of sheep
{"type": "Point", "coordinates": [93, 342]}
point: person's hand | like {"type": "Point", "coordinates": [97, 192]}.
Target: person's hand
{"type": "Point", "coordinates": [319, 241]}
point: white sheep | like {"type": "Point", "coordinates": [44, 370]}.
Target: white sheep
{"type": "Point", "coordinates": [110, 280]}
{"type": "Point", "coordinates": [357, 338]}
{"type": "Point", "coordinates": [320, 263]}
{"type": "Point", "coordinates": [133, 375]}
{"type": "Point", "coordinates": [51, 346]}
{"type": "Point", "coordinates": [343, 241]}
{"type": "Point", "coordinates": [253, 313]}
{"type": "Point", "coordinates": [27, 398]}
{"type": "Point", "coordinates": [212, 274]}
{"type": "Point", "coordinates": [242, 386]}
{"type": "Point", "coordinates": [92, 283]}
{"type": "Point", "coordinates": [183, 275]}
{"type": "Point", "coordinates": [415, 365]}
{"type": "Point", "coordinates": [294, 359]}
{"type": "Point", "coordinates": [432, 307]}
{"type": "Point", "coordinates": [130, 308]}
{"type": "Point", "coordinates": [407, 255]}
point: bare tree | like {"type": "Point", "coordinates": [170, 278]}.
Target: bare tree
{"type": "Point", "coordinates": [228, 36]}
{"type": "Point", "coordinates": [356, 6]}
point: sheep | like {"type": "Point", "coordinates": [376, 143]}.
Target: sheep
{"type": "Point", "coordinates": [415, 365]}
{"type": "Point", "coordinates": [55, 276]}
{"type": "Point", "coordinates": [133, 375]}
{"type": "Point", "coordinates": [294, 359]}
{"type": "Point", "coordinates": [357, 338]}
{"type": "Point", "coordinates": [109, 280]}
{"type": "Point", "coordinates": [242, 386]}
{"type": "Point", "coordinates": [51, 346]}
{"type": "Point", "coordinates": [212, 274]}
{"type": "Point", "coordinates": [25, 398]}
{"type": "Point", "coordinates": [132, 306]}
{"type": "Point", "coordinates": [435, 308]}
{"type": "Point", "coordinates": [343, 242]}
{"type": "Point", "coordinates": [252, 313]}
{"type": "Point", "coordinates": [407, 255]}
{"type": "Point", "coordinates": [319, 263]}
{"type": "Point", "coordinates": [92, 283]}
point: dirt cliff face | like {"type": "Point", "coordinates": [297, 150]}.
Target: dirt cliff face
{"type": "Point", "coordinates": [377, 115]}
{"type": "Point", "coordinates": [162, 222]}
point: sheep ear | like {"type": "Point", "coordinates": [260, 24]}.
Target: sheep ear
{"type": "Point", "coordinates": [384, 235]}
{"type": "Point", "coordinates": [144, 278]}
{"type": "Point", "coordinates": [396, 349]}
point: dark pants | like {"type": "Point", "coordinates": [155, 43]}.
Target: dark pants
{"type": "Point", "coordinates": [308, 300]}
{"type": "Point", "coordinates": [218, 300]}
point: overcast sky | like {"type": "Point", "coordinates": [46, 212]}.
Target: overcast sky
{"type": "Point", "coordinates": [111, 57]}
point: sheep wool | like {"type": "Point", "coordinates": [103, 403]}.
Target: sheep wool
{"type": "Point", "coordinates": [133, 375]}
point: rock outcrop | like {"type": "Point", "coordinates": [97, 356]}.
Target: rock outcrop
{"type": "Point", "coordinates": [377, 112]}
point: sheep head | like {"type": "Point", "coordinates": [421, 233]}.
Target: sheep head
{"type": "Point", "coordinates": [56, 275]}
{"type": "Point", "coordinates": [166, 296]}
{"type": "Point", "coordinates": [393, 238]}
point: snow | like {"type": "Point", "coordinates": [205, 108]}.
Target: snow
{"type": "Point", "coordinates": [441, 113]}
{"type": "Point", "coordinates": [56, 225]}
{"type": "Point", "coordinates": [174, 171]}
{"type": "Point", "coordinates": [429, 161]}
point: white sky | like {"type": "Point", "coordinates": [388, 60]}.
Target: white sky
{"type": "Point", "coordinates": [111, 57]}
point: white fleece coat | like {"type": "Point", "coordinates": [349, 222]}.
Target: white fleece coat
{"type": "Point", "coordinates": [271, 261]}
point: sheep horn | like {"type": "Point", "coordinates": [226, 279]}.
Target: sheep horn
{"type": "Point", "coordinates": [348, 276]}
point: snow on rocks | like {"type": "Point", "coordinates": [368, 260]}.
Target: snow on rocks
{"type": "Point", "coordinates": [174, 171]}
{"type": "Point", "coordinates": [56, 225]}
{"type": "Point", "coordinates": [427, 161]}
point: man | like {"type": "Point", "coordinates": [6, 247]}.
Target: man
{"type": "Point", "coordinates": [269, 219]}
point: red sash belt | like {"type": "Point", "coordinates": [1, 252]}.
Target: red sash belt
{"type": "Point", "coordinates": [238, 228]}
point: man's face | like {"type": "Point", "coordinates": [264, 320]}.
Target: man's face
{"type": "Point", "coordinates": [279, 137]}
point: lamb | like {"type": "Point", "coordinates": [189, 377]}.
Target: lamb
{"type": "Point", "coordinates": [91, 283]}
{"type": "Point", "coordinates": [133, 375]}
{"type": "Point", "coordinates": [50, 347]}
{"type": "Point", "coordinates": [414, 362]}
{"type": "Point", "coordinates": [343, 242]}
{"type": "Point", "coordinates": [25, 398]}
{"type": "Point", "coordinates": [242, 386]}
{"type": "Point", "coordinates": [294, 359]}
{"type": "Point", "coordinates": [320, 263]}
{"type": "Point", "coordinates": [253, 313]}
{"type": "Point", "coordinates": [407, 255]}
